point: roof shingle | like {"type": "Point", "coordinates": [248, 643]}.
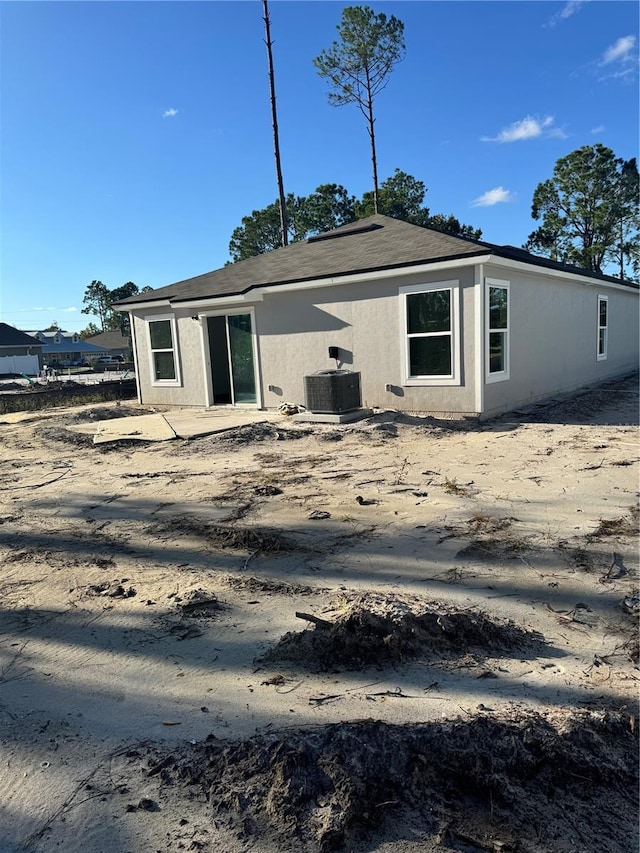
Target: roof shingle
{"type": "Point", "coordinates": [375, 243]}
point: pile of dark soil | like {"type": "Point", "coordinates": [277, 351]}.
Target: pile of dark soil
{"type": "Point", "coordinates": [523, 782]}
{"type": "Point", "coordinates": [104, 413]}
{"type": "Point", "coordinates": [376, 630]}
{"type": "Point", "coordinates": [262, 540]}
{"type": "Point", "coordinates": [198, 603]}
{"type": "Point", "coordinates": [275, 587]}
{"type": "Point", "coordinates": [259, 432]}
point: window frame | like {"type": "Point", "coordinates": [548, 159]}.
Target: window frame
{"type": "Point", "coordinates": [164, 383]}
{"type": "Point", "coordinates": [602, 355]}
{"type": "Point", "coordinates": [505, 373]}
{"type": "Point", "coordinates": [453, 286]}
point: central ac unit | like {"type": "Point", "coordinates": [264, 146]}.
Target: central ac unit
{"type": "Point", "coordinates": [332, 391]}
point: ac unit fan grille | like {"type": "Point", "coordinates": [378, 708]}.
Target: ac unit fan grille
{"type": "Point", "coordinates": [332, 391]}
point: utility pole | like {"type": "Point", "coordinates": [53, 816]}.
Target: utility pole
{"type": "Point", "coordinates": [274, 122]}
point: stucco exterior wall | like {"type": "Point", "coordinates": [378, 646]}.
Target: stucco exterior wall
{"type": "Point", "coordinates": [553, 342]}
{"type": "Point", "coordinates": [365, 321]}
{"type": "Point", "coordinates": [191, 367]}
{"type": "Point", "coordinates": [554, 338]}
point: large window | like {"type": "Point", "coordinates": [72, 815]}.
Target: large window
{"type": "Point", "coordinates": [497, 330]}
{"type": "Point", "coordinates": [603, 327]}
{"type": "Point", "coordinates": [164, 364]}
{"type": "Point", "coordinates": [431, 333]}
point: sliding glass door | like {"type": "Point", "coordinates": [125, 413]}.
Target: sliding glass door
{"type": "Point", "coordinates": [231, 352]}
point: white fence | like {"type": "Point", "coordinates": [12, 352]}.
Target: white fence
{"type": "Point", "coordinates": [27, 364]}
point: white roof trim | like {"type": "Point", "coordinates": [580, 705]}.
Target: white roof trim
{"type": "Point", "coordinates": [220, 301]}
{"type": "Point", "coordinates": [158, 303]}
{"type": "Point", "coordinates": [534, 269]}
{"type": "Point", "coordinates": [375, 275]}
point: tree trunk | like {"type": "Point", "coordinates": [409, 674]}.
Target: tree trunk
{"type": "Point", "coordinates": [372, 137]}
{"type": "Point", "coordinates": [274, 121]}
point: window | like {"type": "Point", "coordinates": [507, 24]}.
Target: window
{"type": "Point", "coordinates": [164, 364]}
{"type": "Point", "coordinates": [497, 330]}
{"type": "Point", "coordinates": [603, 327]}
{"type": "Point", "coordinates": [431, 334]}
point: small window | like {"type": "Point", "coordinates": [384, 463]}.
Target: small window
{"type": "Point", "coordinates": [164, 364]}
{"type": "Point", "coordinates": [603, 327]}
{"type": "Point", "coordinates": [431, 334]}
{"type": "Point", "coordinates": [497, 332]}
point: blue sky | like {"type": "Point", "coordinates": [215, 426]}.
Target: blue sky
{"type": "Point", "coordinates": [136, 135]}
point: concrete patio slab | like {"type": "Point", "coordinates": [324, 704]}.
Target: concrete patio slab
{"type": "Point", "coordinates": [188, 423]}
{"type": "Point", "coordinates": [176, 423]}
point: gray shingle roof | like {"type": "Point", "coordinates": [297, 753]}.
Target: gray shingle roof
{"type": "Point", "coordinates": [375, 243]}
{"type": "Point", "coordinates": [110, 340]}
{"type": "Point", "coordinates": [12, 337]}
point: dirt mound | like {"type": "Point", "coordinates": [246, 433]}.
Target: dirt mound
{"type": "Point", "coordinates": [275, 587]}
{"type": "Point", "coordinates": [198, 603]}
{"type": "Point", "coordinates": [546, 783]}
{"type": "Point", "coordinates": [248, 434]}
{"type": "Point", "coordinates": [261, 540]}
{"type": "Point", "coordinates": [104, 413]}
{"type": "Point", "coordinates": [383, 630]}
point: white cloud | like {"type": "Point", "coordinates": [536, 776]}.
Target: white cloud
{"type": "Point", "coordinates": [621, 51]}
{"type": "Point", "coordinates": [597, 129]}
{"type": "Point", "coordinates": [527, 128]}
{"type": "Point", "coordinates": [491, 197]}
{"type": "Point", "coordinates": [170, 113]}
{"type": "Point", "coordinates": [569, 9]}
{"type": "Point", "coordinates": [618, 75]}
{"type": "Point", "coordinates": [69, 310]}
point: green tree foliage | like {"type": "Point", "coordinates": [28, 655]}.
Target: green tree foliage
{"type": "Point", "coordinates": [589, 211]}
{"type": "Point", "coordinates": [357, 67]}
{"type": "Point", "coordinates": [330, 206]}
{"type": "Point", "coordinates": [452, 225]}
{"type": "Point", "coordinates": [89, 331]}
{"type": "Point", "coordinates": [326, 208]}
{"type": "Point", "coordinates": [54, 326]}
{"type": "Point", "coordinates": [98, 301]}
{"type": "Point", "coordinates": [402, 196]}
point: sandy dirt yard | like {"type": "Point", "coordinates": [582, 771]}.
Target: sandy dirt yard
{"type": "Point", "coordinates": [399, 634]}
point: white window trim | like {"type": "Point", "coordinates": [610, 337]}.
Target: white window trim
{"type": "Point", "coordinates": [164, 383]}
{"type": "Point", "coordinates": [502, 375]}
{"type": "Point", "coordinates": [453, 286]}
{"type": "Point", "coordinates": [602, 356]}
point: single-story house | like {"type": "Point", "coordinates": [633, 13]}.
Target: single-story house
{"type": "Point", "coordinates": [429, 323]}
{"type": "Point", "coordinates": [19, 353]}
{"type": "Point", "coordinates": [64, 349]}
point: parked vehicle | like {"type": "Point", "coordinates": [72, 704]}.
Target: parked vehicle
{"type": "Point", "coordinates": [110, 359]}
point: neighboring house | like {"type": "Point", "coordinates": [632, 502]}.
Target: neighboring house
{"type": "Point", "coordinates": [63, 349]}
{"type": "Point", "coordinates": [431, 322]}
{"type": "Point", "coordinates": [19, 353]}
{"type": "Point", "coordinates": [114, 343]}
